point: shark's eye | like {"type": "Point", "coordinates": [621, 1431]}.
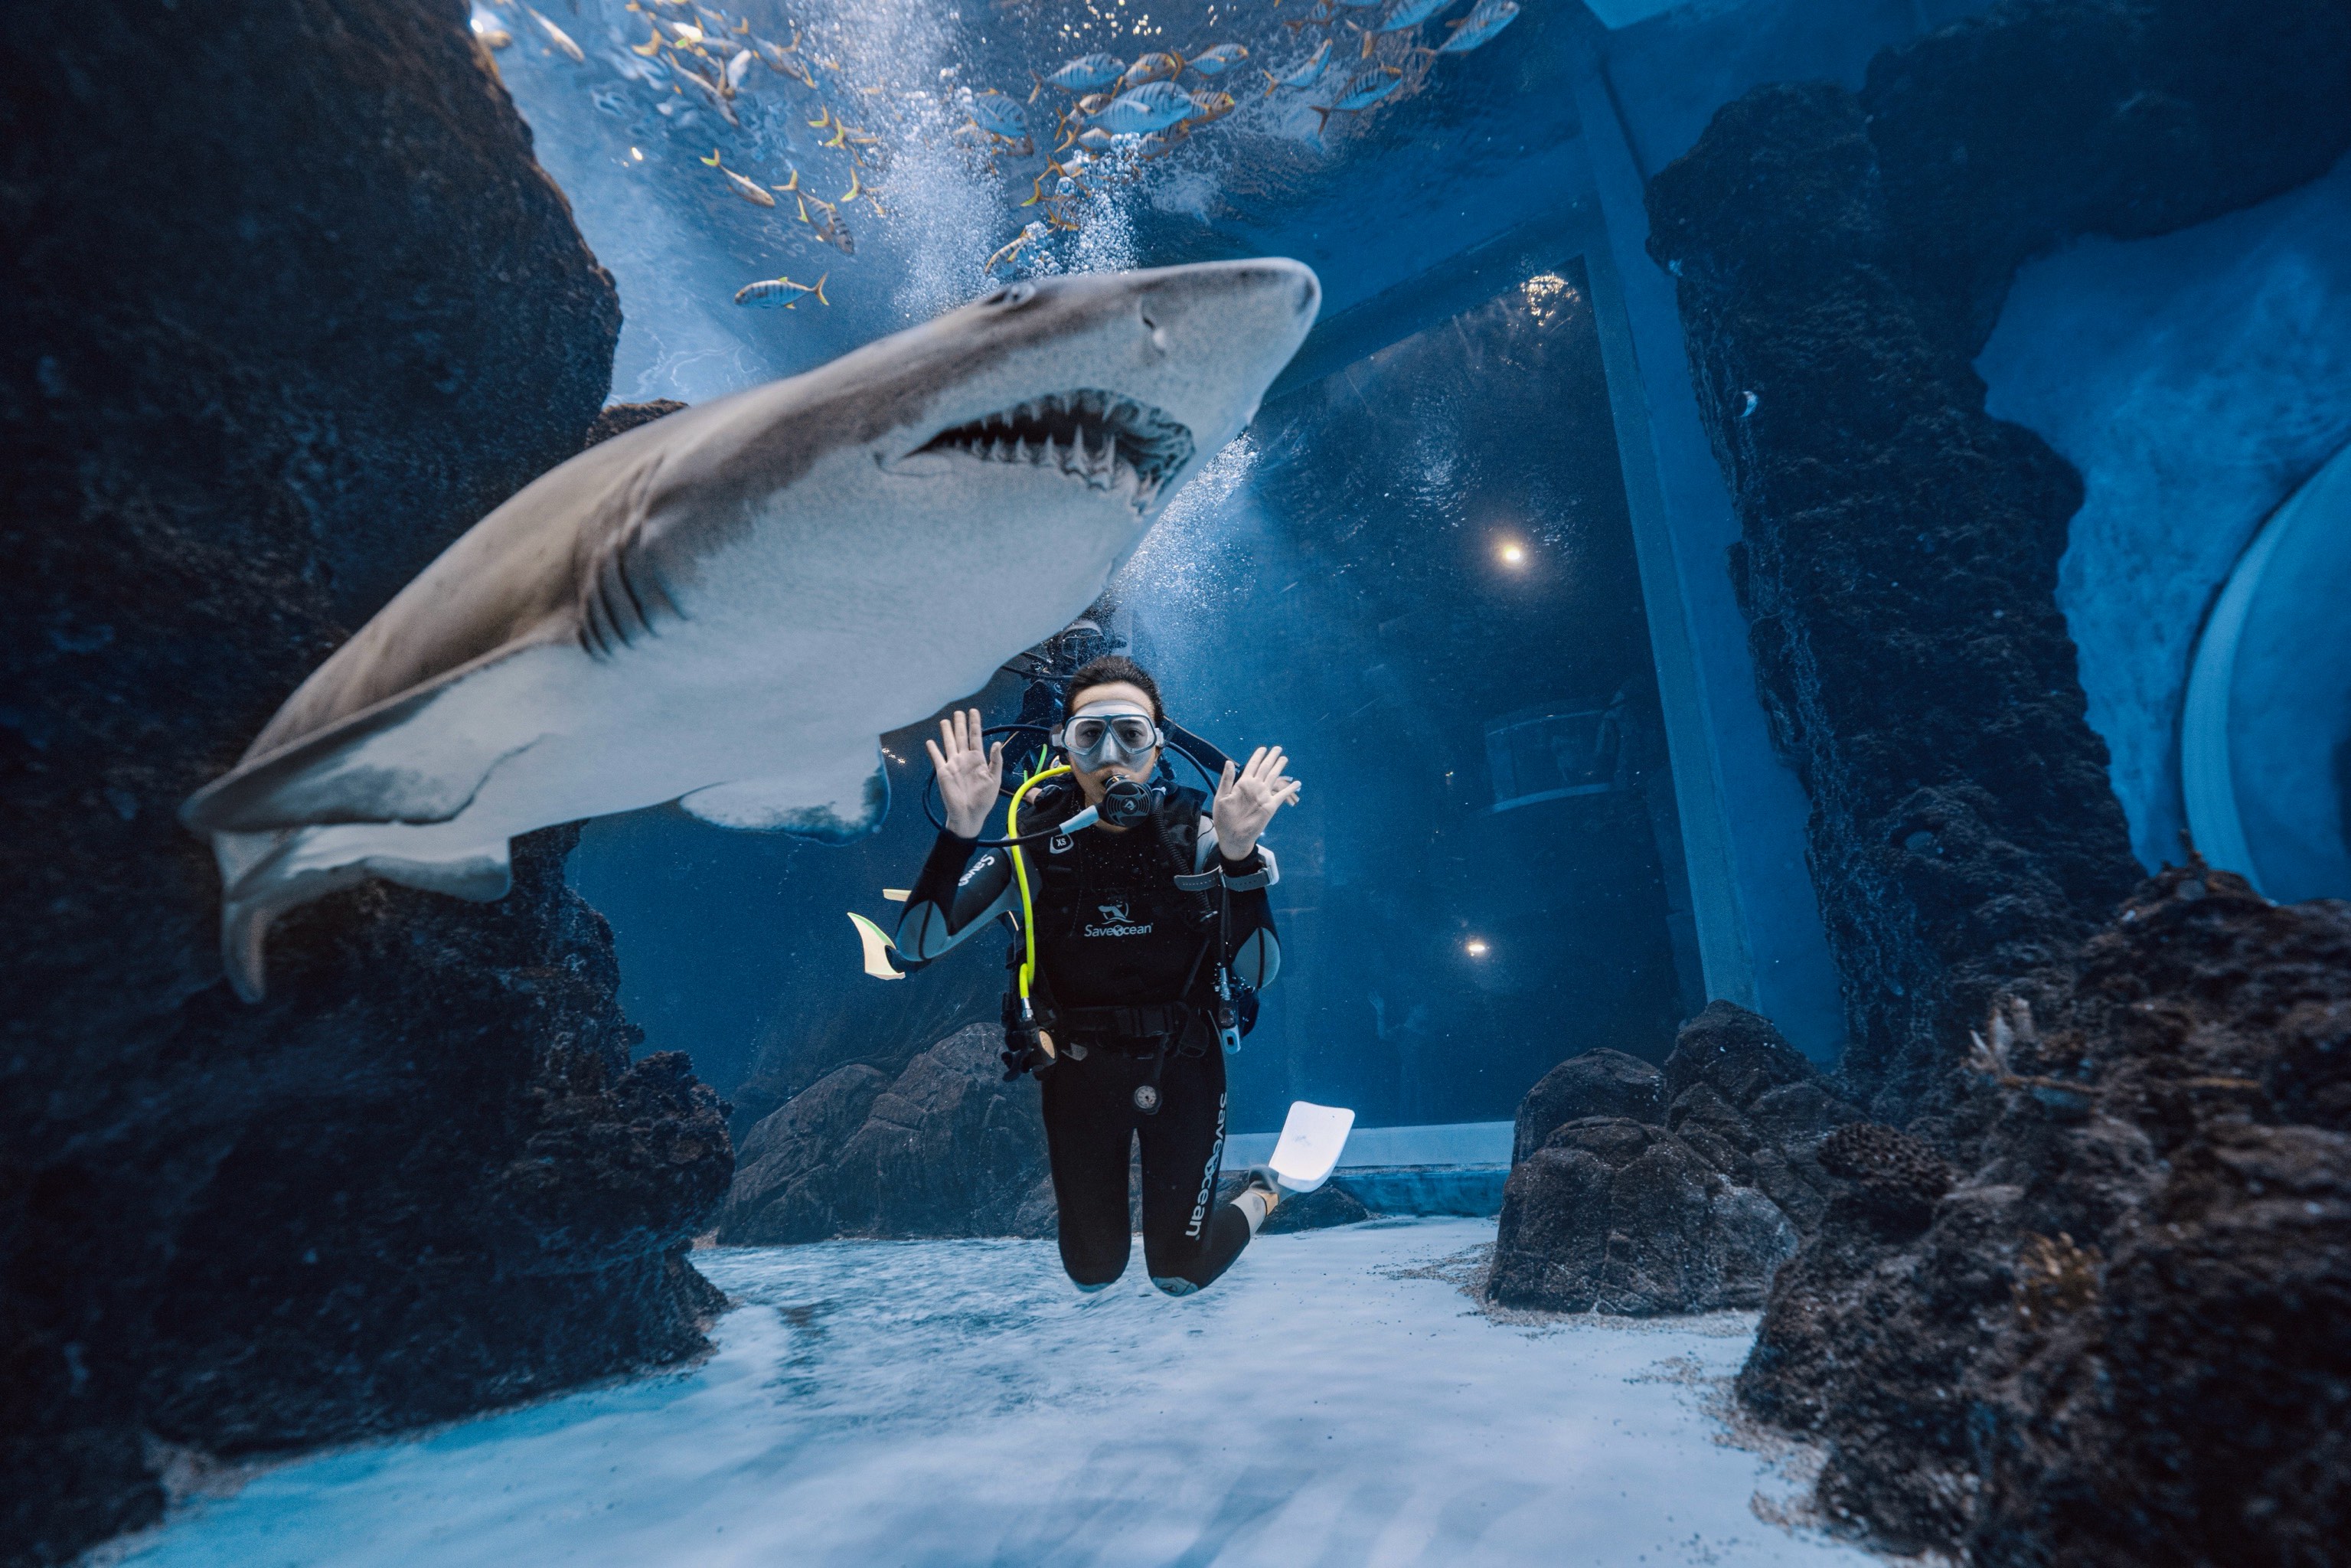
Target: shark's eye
{"type": "Point", "coordinates": [1011, 296]}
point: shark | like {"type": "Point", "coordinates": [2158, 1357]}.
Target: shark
{"type": "Point", "coordinates": [728, 607]}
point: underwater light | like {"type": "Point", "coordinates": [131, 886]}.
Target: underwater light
{"type": "Point", "coordinates": [638, 153]}
{"type": "Point", "coordinates": [1513, 553]}
{"type": "Point", "coordinates": [1475, 947]}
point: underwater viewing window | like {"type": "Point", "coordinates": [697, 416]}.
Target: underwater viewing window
{"type": "Point", "coordinates": [1425, 588]}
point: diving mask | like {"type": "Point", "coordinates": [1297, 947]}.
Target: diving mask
{"type": "Point", "coordinates": [1112, 730]}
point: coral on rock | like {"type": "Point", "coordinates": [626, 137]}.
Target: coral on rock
{"type": "Point", "coordinates": [2125, 1336]}
{"type": "Point", "coordinates": [287, 305]}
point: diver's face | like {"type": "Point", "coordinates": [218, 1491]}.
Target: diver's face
{"type": "Point", "coordinates": [1093, 781]}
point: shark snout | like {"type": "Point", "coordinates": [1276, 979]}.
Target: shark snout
{"type": "Point", "coordinates": [1264, 290]}
{"type": "Point", "coordinates": [1121, 383]}
{"type": "Point", "coordinates": [1220, 332]}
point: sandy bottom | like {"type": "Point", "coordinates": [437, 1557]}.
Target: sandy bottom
{"type": "Point", "coordinates": [1335, 1401]}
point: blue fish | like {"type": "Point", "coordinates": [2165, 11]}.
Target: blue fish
{"type": "Point", "coordinates": [1214, 62]}
{"type": "Point", "coordinates": [1088, 73]}
{"type": "Point", "coordinates": [1160, 65]}
{"type": "Point", "coordinates": [1360, 93]}
{"type": "Point", "coordinates": [1304, 76]}
{"type": "Point", "coordinates": [997, 115]}
{"type": "Point", "coordinates": [779, 293]}
{"type": "Point", "coordinates": [1155, 105]}
{"type": "Point", "coordinates": [1490, 18]}
{"type": "Point", "coordinates": [1412, 14]}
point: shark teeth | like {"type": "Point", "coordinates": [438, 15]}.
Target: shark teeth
{"type": "Point", "coordinates": [1108, 441]}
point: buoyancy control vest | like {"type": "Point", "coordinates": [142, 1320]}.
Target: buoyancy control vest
{"type": "Point", "coordinates": [1126, 956]}
{"type": "Point", "coordinates": [1132, 938]}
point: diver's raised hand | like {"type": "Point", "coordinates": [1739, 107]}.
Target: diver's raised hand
{"type": "Point", "coordinates": [1247, 798]}
{"type": "Point", "coordinates": [970, 772]}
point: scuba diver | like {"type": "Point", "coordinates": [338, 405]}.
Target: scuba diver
{"type": "Point", "coordinates": [1145, 935]}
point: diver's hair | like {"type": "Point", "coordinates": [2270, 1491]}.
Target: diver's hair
{"type": "Point", "coordinates": [1112, 667]}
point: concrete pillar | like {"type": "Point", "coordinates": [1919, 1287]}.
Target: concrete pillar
{"type": "Point", "coordinates": [1743, 811]}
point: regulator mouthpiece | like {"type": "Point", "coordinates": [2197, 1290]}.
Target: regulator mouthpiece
{"type": "Point", "coordinates": [1126, 804]}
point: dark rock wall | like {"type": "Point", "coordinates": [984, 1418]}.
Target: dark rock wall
{"type": "Point", "coordinates": [1842, 258]}
{"type": "Point", "coordinates": [2125, 1336]}
{"type": "Point", "coordinates": [286, 306]}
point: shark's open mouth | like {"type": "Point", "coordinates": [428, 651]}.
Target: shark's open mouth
{"type": "Point", "coordinates": [1107, 440]}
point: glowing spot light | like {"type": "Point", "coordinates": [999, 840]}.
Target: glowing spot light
{"type": "Point", "coordinates": [638, 153]}
{"type": "Point", "coordinates": [1512, 552]}
{"type": "Point", "coordinates": [1475, 947]}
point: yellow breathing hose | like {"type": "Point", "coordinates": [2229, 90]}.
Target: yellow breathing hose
{"type": "Point", "coordinates": [1021, 875]}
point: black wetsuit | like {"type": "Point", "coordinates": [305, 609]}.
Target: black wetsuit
{"type": "Point", "coordinates": [1126, 958]}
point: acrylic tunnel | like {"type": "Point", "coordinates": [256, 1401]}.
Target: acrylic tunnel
{"type": "Point", "coordinates": [1064, 782]}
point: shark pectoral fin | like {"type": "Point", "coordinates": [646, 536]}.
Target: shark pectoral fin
{"type": "Point", "coordinates": [420, 756]}
{"type": "Point", "coordinates": [877, 946]}
{"type": "Point", "coordinates": [834, 814]}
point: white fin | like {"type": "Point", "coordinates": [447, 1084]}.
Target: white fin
{"type": "Point", "coordinates": [1312, 1139]}
{"type": "Point", "coordinates": [877, 949]}
{"type": "Point", "coordinates": [897, 894]}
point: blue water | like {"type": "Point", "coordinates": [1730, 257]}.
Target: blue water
{"type": "Point", "coordinates": [1418, 571]}
{"type": "Point", "coordinates": [1414, 574]}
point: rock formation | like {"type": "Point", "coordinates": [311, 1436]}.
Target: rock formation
{"type": "Point", "coordinates": [287, 305]}
{"type": "Point", "coordinates": [1639, 1190]}
{"type": "Point", "coordinates": [1601, 1083]}
{"type": "Point", "coordinates": [947, 1148]}
{"type": "Point", "coordinates": [2123, 1336]}
{"type": "Point", "coordinates": [817, 1030]}
{"type": "Point", "coordinates": [1842, 258]}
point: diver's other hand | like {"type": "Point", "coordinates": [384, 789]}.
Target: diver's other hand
{"type": "Point", "coordinates": [1247, 798]}
{"type": "Point", "coordinates": [970, 772]}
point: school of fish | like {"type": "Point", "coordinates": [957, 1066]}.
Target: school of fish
{"type": "Point", "coordinates": [1096, 119]}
